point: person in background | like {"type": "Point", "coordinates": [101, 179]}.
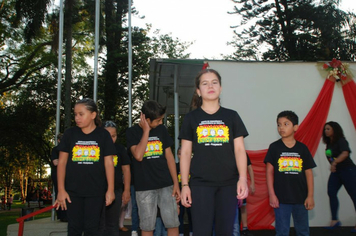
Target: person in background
{"type": "Point", "coordinates": [9, 202]}
{"type": "Point", "coordinates": [134, 209]}
{"type": "Point", "coordinates": [218, 168]}
{"type": "Point", "coordinates": [85, 170]}
{"type": "Point", "coordinates": [61, 214]}
{"type": "Point", "coordinates": [342, 169]}
{"type": "Point", "coordinates": [3, 202]}
{"type": "Point", "coordinates": [243, 210]}
{"type": "Point", "coordinates": [290, 180]}
{"type": "Point", "coordinates": [109, 221]}
{"type": "Point", "coordinates": [160, 229]}
{"type": "Point", "coordinates": [183, 209]}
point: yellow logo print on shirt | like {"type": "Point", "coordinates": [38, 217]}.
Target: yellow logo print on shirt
{"type": "Point", "coordinates": [213, 134]}
{"type": "Point", "coordinates": [290, 164]}
{"type": "Point", "coordinates": [86, 153]}
{"type": "Point", "coordinates": [154, 148]}
{"type": "Point", "coordinates": [115, 160]}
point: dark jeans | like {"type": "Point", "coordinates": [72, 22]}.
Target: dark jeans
{"type": "Point", "coordinates": [134, 213]}
{"type": "Point", "coordinates": [346, 177]}
{"type": "Point", "coordinates": [182, 210]}
{"type": "Point", "coordinates": [109, 223]}
{"type": "Point", "coordinates": [213, 206]}
{"type": "Point", "coordinates": [300, 219]}
{"type": "Point", "coordinates": [84, 215]}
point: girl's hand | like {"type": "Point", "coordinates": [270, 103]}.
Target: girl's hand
{"type": "Point", "coordinates": [125, 197]}
{"type": "Point", "coordinates": [109, 197]}
{"type": "Point", "coordinates": [186, 197]}
{"type": "Point", "coordinates": [62, 198]}
{"type": "Point", "coordinates": [242, 189]}
{"type": "Point", "coordinates": [273, 201]}
{"type": "Point", "coordinates": [333, 167]}
{"type": "Point", "coordinates": [253, 189]}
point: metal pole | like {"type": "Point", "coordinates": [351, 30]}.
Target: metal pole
{"type": "Point", "coordinates": [130, 66]}
{"type": "Point", "coordinates": [59, 79]}
{"type": "Point", "coordinates": [97, 21]}
{"type": "Point", "coordinates": [176, 112]}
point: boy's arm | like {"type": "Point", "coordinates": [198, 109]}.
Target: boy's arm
{"type": "Point", "coordinates": [110, 176]}
{"type": "Point", "coordinates": [273, 200]}
{"type": "Point", "coordinates": [241, 162]}
{"type": "Point", "coordinates": [139, 150]}
{"type": "Point", "coordinates": [309, 202]}
{"type": "Point", "coordinates": [252, 178]}
{"type": "Point", "coordinates": [173, 171]}
{"type": "Point", "coordinates": [127, 181]}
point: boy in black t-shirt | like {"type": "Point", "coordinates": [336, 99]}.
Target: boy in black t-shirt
{"type": "Point", "coordinates": [154, 170]}
{"type": "Point", "coordinates": [290, 178]}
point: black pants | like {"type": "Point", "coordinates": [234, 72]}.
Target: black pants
{"type": "Point", "coordinates": [109, 223]}
{"type": "Point", "coordinates": [84, 215]}
{"type": "Point", "coordinates": [213, 206]}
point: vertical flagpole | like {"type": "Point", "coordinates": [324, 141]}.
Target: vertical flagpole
{"type": "Point", "coordinates": [130, 67]}
{"type": "Point", "coordinates": [59, 78]}
{"type": "Point", "coordinates": [176, 112]}
{"type": "Point", "coordinates": [97, 18]}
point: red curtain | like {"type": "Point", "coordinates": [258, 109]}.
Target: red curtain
{"type": "Point", "coordinates": [260, 214]}
{"type": "Point", "coordinates": [349, 91]}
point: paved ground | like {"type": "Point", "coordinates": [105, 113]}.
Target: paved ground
{"type": "Point", "coordinates": [45, 227]}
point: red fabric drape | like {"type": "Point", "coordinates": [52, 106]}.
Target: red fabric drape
{"type": "Point", "coordinates": [349, 91]}
{"type": "Point", "coordinates": [260, 214]}
{"type": "Point", "coordinates": [311, 129]}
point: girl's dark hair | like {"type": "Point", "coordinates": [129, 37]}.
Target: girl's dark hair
{"type": "Point", "coordinates": [338, 133]}
{"type": "Point", "coordinates": [109, 123]}
{"type": "Point", "coordinates": [92, 107]}
{"type": "Point", "coordinates": [153, 110]}
{"type": "Point", "coordinates": [196, 100]}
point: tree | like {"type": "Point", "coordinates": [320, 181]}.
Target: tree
{"type": "Point", "coordinates": [26, 141]}
{"type": "Point", "coordinates": [292, 30]}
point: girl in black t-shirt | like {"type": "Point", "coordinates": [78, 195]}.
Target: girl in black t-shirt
{"type": "Point", "coordinates": [109, 219]}
{"type": "Point", "coordinates": [216, 136]}
{"type": "Point", "coordinates": [343, 170]}
{"type": "Point", "coordinates": [85, 170]}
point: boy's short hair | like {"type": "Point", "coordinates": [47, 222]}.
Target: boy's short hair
{"type": "Point", "coordinates": [153, 110]}
{"type": "Point", "coordinates": [290, 115]}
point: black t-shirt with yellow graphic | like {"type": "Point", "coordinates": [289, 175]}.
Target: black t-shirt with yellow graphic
{"type": "Point", "coordinates": [212, 136]}
{"type": "Point", "coordinates": [334, 150]}
{"type": "Point", "coordinates": [152, 172]}
{"type": "Point", "coordinates": [121, 158]}
{"type": "Point", "coordinates": [85, 170]}
{"type": "Point", "coordinates": [290, 183]}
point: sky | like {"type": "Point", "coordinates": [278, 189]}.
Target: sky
{"type": "Point", "coordinates": [204, 22]}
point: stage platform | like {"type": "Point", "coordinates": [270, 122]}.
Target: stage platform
{"type": "Point", "coordinates": [46, 227]}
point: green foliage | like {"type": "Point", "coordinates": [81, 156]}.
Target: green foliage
{"type": "Point", "coordinates": [34, 13]}
{"type": "Point", "coordinates": [293, 30]}
{"type": "Point", "coordinates": [28, 75]}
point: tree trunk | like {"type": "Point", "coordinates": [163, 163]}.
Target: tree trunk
{"type": "Point", "coordinates": [113, 28]}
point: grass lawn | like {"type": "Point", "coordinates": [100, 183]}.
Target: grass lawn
{"type": "Point", "coordinates": [9, 217]}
